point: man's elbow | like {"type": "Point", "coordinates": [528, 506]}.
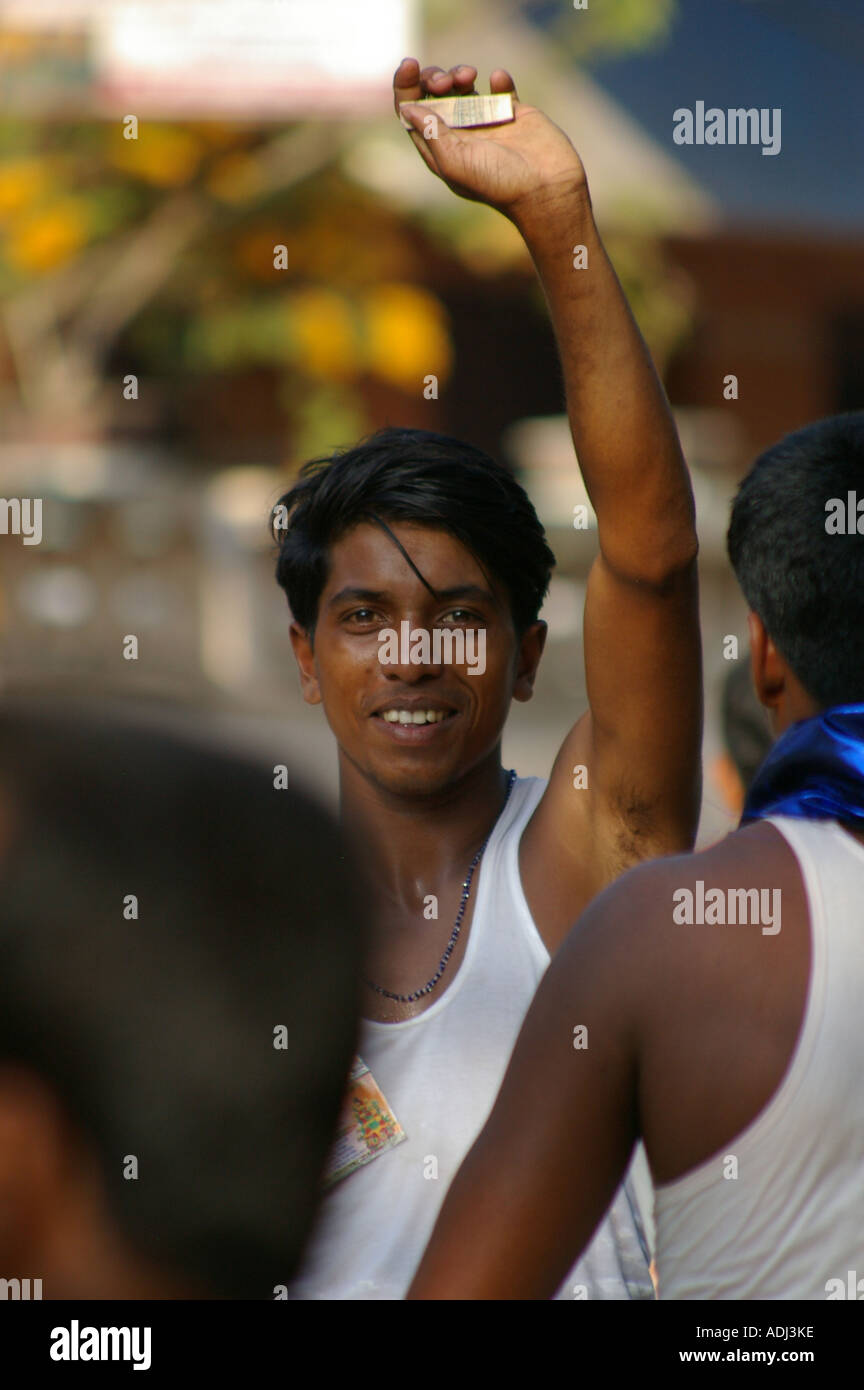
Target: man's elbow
{"type": "Point", "coordinates": [665, 566]}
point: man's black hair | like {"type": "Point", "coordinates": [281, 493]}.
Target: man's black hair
{"type": "Point", "coordinates": [157, 1033]}
{"type": "Point", "coordinates": [805, 583]}
{"type": "Point", "coordinates": [419, 476]}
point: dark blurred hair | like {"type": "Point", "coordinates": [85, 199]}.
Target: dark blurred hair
{"type": "Point", "coordinates": [746, 732]}
{"type": "Point", "coordinates": [157, 1034]}
{"type": "Point", "coordinates": [805, 584]}
{"type": "Point", "coordinates": [413, 475]}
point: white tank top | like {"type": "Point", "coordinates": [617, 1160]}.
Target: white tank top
{"type": "Point", "coordinates": [440, 1073]}
{"type": "Point", "coordinates": [793, 1219]}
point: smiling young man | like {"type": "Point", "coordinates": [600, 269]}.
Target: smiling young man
{"type": "Point", "coordinates": [476, 874]}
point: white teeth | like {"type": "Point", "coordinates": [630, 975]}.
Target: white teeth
{"type": "Point", "coordinates": [417, 716]}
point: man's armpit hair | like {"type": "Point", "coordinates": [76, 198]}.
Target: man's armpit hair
{"type": "Point", "coordinates": [635, 821]}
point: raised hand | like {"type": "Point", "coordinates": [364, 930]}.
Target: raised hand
{"type": "Point", "coordinates": [507, 165]}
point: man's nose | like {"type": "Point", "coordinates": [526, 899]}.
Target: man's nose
{"type": "Point", "coordinates": [415, 652]}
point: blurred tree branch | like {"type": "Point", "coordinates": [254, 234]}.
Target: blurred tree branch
{"type": "Point", "coordinates": [61, 327]}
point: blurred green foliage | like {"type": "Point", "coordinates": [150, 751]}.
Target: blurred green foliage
{"type": "Point", "coordinates": [178, 229]}
{"type": "Point", "coordinates": [603, 28]}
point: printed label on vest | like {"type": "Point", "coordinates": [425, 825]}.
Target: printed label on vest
{"type": "Point", "coordinates": [367, 1126]}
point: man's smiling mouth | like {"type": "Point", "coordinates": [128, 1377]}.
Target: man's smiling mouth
{"type": "Point", "coordinates": [414, 719]}
{"type": "Point", "coordinates": [397, 714]}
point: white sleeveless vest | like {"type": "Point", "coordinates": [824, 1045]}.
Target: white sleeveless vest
{"type": "Point", "coordinates": [440, 1073]}
{"type": "Point", "coordinates": [791, 1225]}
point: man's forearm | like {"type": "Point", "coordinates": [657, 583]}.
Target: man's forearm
{"type": "Point", "coordinates": [620, 419]}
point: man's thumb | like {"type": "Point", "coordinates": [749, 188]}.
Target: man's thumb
{"type": "Point", "coordinates": [425, 122]}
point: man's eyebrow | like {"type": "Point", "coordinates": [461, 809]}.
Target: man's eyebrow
{"type": "Point", "coordinates": [369, 595]}
{"type": "Point", "coordinates": [467, 591]}
{"type": "Point", "coordinates": [456, 591]}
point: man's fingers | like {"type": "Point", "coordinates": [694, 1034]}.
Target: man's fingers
{"type": "Point", "coordinates": [464, 77]}
{"type": "Point", "coordinates": [435, 80]}
{"type": "Point", "coordinates": [458, 81]}
{"type": "Point", "coordinates": [406, 82]}
{"type": "Point", "coordinates": [501, 81]}
{"type": "Point", "coordinates": [421, 130]}
{"type": "Point", "coordinates": [421, 142]}
{"type": "Point", "coordinates": [412, 83]}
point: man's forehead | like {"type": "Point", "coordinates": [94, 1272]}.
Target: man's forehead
{"type": "Point", "coordinates": [366, 555]}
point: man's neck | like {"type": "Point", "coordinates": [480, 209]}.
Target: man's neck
{"type": "Point", "coordinates": [412, 844]}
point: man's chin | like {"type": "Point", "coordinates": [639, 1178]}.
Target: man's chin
{"type": "Point", "coordinates": [407, 779]}
{"type": "Point", "coordinates": [413, 782]}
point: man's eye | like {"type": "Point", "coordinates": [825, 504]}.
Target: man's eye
{"type": "Point", "coordinates": [361, 615]}
{"type": "Point", "coordinates": [464, 615]}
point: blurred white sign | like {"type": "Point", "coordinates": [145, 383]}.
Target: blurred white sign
{"type": "Point", "coordinates": [49, 14]}
{"type": "Point", "coordinates": [234, 57]}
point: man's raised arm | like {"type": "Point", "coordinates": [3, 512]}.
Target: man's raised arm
{"type": "Point", "coordinates": [640, 742]}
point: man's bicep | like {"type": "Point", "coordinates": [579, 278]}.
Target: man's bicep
{"type": "Point", "coordinates": [542, 1173]}
{"type": "Point", "coordinates": [643, 670]}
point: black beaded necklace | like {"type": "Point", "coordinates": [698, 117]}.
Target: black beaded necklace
{"type": "Point", "coordinates": [454, 935]}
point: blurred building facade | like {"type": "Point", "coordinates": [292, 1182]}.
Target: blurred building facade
{"type": "Point", "coordinates": [155, 505]}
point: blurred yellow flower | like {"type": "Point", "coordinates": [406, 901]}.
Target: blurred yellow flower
{"type": "Point", "coordinates": [235, 178]}
{"type": "Point", "coordinates": [406, 336]}
{"type": "Point", "coordinates": [22, 181]}
{"type": "Point", "coordinates": [323, 333]}
{"type": "Point", "coordinates": [15, 44]}
{"type": "Point", "coordinates": [164, 155]}
{"type": "Point", "coordinates": [49, 238]}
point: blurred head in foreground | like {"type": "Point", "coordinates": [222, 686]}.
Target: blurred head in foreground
{"type": "Point", "coordinates": [179, 949]}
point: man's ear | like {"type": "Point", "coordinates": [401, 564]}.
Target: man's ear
{"type": "Point", "coordinates": [305, 657]}
{"type": "Point", "coordinates": [767, 666]}
{"type": "Point", "coordinates": [530, 651]}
